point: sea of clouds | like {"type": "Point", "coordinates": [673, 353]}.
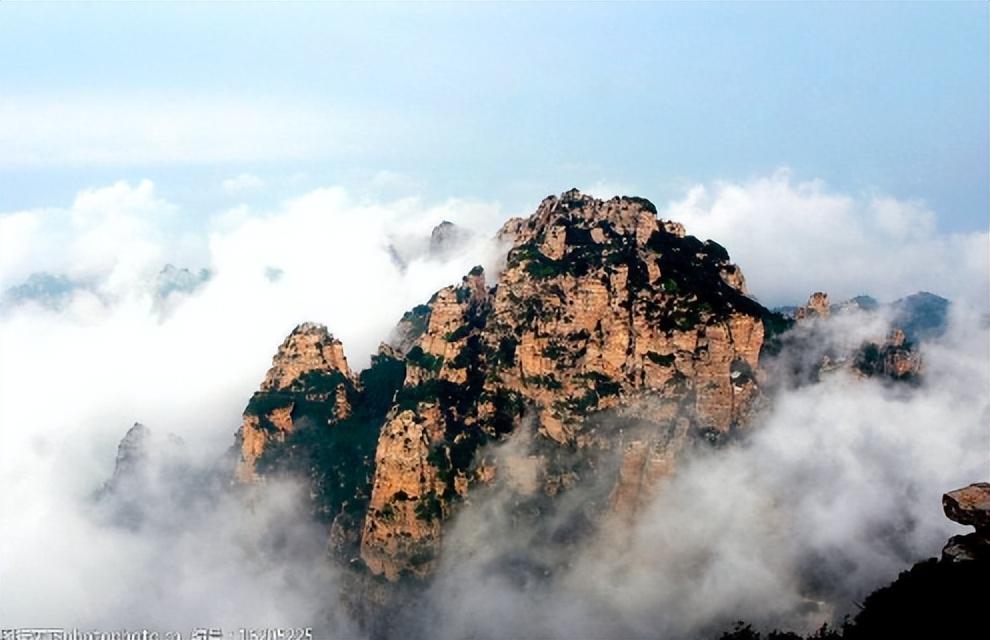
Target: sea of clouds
{"type": "Point", "coordinates": [836, 490]}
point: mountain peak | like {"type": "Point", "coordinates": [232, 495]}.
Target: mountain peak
{"type": "Point", "coordinates": [446, 238]}
{"type": "Point", "coordinates": [577, 211]}
{"type": "Point", "coordinates": [309, 347]}
{"type": "Point", "coordinates": [309, 370]}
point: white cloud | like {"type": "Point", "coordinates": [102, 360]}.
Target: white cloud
{"type": "Point", "coordinates": [336, 268]}
{"type": "Point", "coordinates": [243, 183]}
{"type": "Point", "coordinates": [17, 233]}
{"type": "Point", "coordinates": [792, 238]}
{"type": "Point", "coordinates": [117, 235]}
{"type": "Point", "coordinates": [72, 382]}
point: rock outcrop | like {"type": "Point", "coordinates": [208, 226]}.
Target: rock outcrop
{"type": "Point", "coordinates": [817, 307]}
{"type": "Point", "coordinates": [921, 316]}
{"type": "Point", "coordinates": [132, 456]}
{"type": "Point", "coordinates": [895, 358]}
{"type": "Point", "coordinates": [172, 279]}
{"type": "Point", "coordinates": [313, 418]}
{"type": "Point", "coordinates": [402, 530]}
{"type": "Point", "coordinates": [969, 506]}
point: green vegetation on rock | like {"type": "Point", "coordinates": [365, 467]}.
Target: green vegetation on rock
{"type": "Point", "coordinates": [336, 455]}
{"type": "Point", "coordinates": [425, 360]}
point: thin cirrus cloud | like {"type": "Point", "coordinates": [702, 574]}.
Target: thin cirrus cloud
{"type": "Point", "coordinates": [120, 130]}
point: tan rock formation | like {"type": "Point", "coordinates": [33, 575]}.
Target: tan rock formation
{"type": "Point", "coordinates": [899, 359]}
{"type": "Point", "coordinates": [309, 366]}
{"type": "Point", "coordinates": [895, 358]}
{"type": "Point", "coordinates": [402, 528]}
{"type": "Point", "coordinates": [969, 506]}
{"type": "Point", "coordinates": [645, 462]}
{"type": "Point", "coordinates": [817, 307]}
{"type": "Point", "coordinates": [310, 347]}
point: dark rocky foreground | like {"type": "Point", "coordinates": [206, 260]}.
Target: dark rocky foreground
{"type": "Point", "coordinates": [938, 598]}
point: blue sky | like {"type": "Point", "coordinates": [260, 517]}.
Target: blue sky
{"type": "Point", "coordinates": [500, 102]}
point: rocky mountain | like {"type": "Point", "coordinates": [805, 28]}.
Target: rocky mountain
{"type": "Point", "coordinates": [813, 342]}
{"type": "Point", "coordinates": [445, 240]}
{"type": "Point", "coordinates": [921, 316]}
{"type": "Point", "coordinates": [55, 290]}
{"type": "Point", "coordinates": [51, 290]}
{"type": "Point", "coordinates": [564, 390]}
{"type": "Point", "coordinates": [172, 279]}
{"type": "Point", "coordinates": [608, 333]}
{"type": "Point", "coordinates": [612, 341]}
{"type": "Point", "coordinates": [143, 477]}
{"type": "Point", "coordinates": [132, 455]}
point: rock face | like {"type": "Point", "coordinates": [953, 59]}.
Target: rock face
{"type": "Point", "coordinates": [612, 339]}
{"type": "Point", "coordinates": [403, 529]}
{"type": "Point", "coordinates": [313, 418]}
{"type": "Point", "coordinates": [969, 506]}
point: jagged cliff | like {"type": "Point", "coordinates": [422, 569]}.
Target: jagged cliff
{"type": "Point", "coordinates": [608, 331]}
